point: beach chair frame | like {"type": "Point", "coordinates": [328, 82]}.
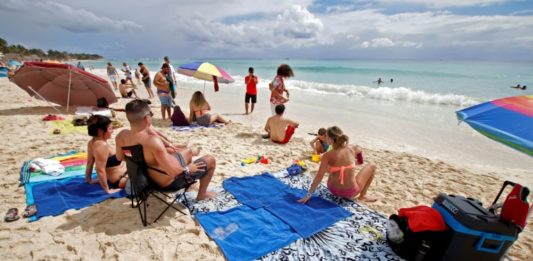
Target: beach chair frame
{"type": "Point", "coordinates": [142, 187]}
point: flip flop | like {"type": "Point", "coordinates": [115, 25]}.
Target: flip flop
{"type": "Point", "coordinates": [12, 215]}
{"type": "Point", "coordinates": [30, 210]}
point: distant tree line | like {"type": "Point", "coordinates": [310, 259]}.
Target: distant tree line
{"type": "Point", "coordinates": [50, 54]}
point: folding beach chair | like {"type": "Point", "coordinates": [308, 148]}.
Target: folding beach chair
{"type": "Point", "coordinates": [142, 187]}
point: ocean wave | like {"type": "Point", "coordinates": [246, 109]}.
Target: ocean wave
{"type": "Point", "coordinates": [386, 93]}
{"type": "Point", "coordinates": [404, 94]}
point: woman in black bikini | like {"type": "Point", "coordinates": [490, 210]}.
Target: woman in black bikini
{"type": "Point", "coordinates": [110, 171]}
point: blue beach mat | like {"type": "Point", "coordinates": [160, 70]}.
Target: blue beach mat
{"type": "Point", "coordinates": [195, 126]}
{"type": "Point", "coordinates": [360, 236]}
{"type": "Point", "coordinates": [54, 197]}
{"type": "Point", "coordinates": [243, 233]}
{"type": "Point", "coordinates": [282, 201]}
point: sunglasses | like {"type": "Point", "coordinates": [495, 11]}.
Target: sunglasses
{"type": "Point", "coordinates": [150, 113]}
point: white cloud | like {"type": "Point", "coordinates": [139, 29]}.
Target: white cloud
{"type": "Point", "coordinates": [447, 3]}
{"type": "Point", "coordinates": [386, 42]}
{"type": "Point", "coordinates": [294, 27]}
{"type": "Point", "coordinates": [53, 14]}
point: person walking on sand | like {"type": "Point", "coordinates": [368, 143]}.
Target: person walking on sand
{"type": "Point", "coordinates": [277, 87]}
{"type": "Point", "coordinates": [127, 72]}
{"type": "Point", "coordinates": [166, 168]}
{"type": "Point", "coordinates": [343, 180]}
{"type": "Point", "coordinates": [171, 76]}
{"type": "Point", "coordinates": [146, 79]}
{"type": "Point", "coordinates": [137, 76]}
{"type": "Point", "coordinates": [251, 89]}
{"type": "Point", "coordinates": [163, 90]}
{"type": "Point", "coordinates": [112, 74]}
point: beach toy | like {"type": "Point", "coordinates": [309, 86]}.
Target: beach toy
{"type": "Point", "coordinates": [294, 169]}
{"type": "Point", "coordinates": [263, 160]}
{"type": "Point", "coordinates": [249, 160]}
{"type": "Point", "coordinates": [301, 163]}
{"type": "Point", "coordinates": [315, 158]}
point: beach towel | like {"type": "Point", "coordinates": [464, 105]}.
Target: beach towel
{"type": "Point", "coordinates": [282, 201]}
{"type": "Point", "coordinates": [74, 163]}
{"type": "Point", "coordinates": [243, 233]}
{"type": "Point", "coordinates": [67, 127]}
{"type": "Point", "coordinates": [360, 236]}
{"type": "Point", "coordinates": [195, 126]}
{"type": "Point", "coordinates": [54, 197]}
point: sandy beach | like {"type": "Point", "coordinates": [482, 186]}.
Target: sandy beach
{"type": "Point", "coordinates": [112, 229]}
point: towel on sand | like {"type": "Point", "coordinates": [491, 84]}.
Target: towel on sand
{"type": "Point", "coordinates": [54, 197]}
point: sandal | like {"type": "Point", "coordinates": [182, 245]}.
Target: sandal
{"type": "Point", "coordinates": [30, 210]}
{"type": "Point", "coordinates": [12, 215]}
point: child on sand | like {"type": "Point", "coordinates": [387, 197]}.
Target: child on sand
{"type": "Point", "coordinates": [319, 143]}
{"type": "Point", "coordinates": [277, 87]}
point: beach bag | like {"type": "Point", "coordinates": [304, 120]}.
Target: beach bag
{"type": "Point", "coordinates": [102, 103]}
{"type": "Point", "coordinates": [423, 245]}
{"type": "Point", "coordinates": [178, 118]}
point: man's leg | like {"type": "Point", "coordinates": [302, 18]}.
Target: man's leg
{"type": "Point", "coordinates": [163, 111]}
{"type": "Point", "coordinates": [246, 107]}
{"type": "Point", "coordinates": [204, 181]}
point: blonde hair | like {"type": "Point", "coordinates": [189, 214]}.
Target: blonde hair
{"type": "Point", "coordinates": [199, 101]}
{"type": "Point", "coordinates": [339, 138]}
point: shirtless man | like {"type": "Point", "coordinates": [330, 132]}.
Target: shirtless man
{"type": "Point", "coordinates": [126, 90]}
{"type": "Point", "coordinates": [177, 167]}
{"type": "Point", "coordinates": [163, 90]}
{"type": "Point", "coordinates": [112, 74]}
{"type": "Point", "coordinates": [278, 128]}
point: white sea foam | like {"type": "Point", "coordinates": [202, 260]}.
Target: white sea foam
{"type": "Point", "coordinates": [386, 93]}
{"type": "Point", "coordinates": [404, 94]}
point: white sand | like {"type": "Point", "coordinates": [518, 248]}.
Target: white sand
{"type": "Point", "coordinates": [112, 229]}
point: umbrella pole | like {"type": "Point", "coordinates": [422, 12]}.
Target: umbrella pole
{"type": "Point", "coordinates": [51, 105]}
{"type": "Point", "coordinates": [204, 86]}
{"type": "Point", "coordinates": [69, 83]}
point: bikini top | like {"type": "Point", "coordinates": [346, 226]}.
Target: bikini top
{"type": "Point", "coordinates": [341, 171]}
{"type": "Point", "coordinates": [112, 161]}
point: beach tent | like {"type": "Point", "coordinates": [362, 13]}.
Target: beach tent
{"type": "Point", "coordinates": [63, 84]}
{"type": "Point", "coordinates": [507, 120]}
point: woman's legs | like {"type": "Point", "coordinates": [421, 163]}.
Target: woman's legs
{"type": "Point", "coordinates": [215, 117]}
{"type": "Point", "coordinates": [364, 179]}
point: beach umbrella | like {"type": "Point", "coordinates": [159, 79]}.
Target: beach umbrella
{"type": "Point", "coordinates": [207, 72]}
{"type": "Point", "coordinates": [63, 84]}
{"type": "Point", "coordinates": [508, 120]}
{"type": "Point", "coordinates": [13, 63]}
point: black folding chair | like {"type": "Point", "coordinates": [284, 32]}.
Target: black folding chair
{"type": "Point", "coordinates": [142, 187]}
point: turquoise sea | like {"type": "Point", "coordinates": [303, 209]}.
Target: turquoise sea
{"type": "Point", "coordinates": [414, 113]}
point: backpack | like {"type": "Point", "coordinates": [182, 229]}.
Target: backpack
{"type": "Point", "coordinates": [178, 118]}
{"type": "Point", "coordinates": [424, 245]}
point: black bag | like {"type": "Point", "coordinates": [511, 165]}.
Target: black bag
{"type": "Point", "coordinates": [425, 245]}
{"type": "Point", "coordinates": [178, 118]}
{"type": "Point", "coordinates": [102, 103]}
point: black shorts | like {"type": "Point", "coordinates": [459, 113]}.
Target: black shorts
{"type": "Point", "coordinates": [182, 180]}
{"type": "Point", "coordinates": [249, 97]}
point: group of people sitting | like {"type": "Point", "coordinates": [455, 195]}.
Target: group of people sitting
{"type": "Point", "coordinates": [169, 166]}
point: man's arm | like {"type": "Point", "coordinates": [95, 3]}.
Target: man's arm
{"type": "Point", "coordinates": [267, 126]}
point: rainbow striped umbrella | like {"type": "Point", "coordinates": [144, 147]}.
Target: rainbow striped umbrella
{"type": "Point", "coordinates": [508, 120]}
{"type": "Point", "coordinates": [207, 72]}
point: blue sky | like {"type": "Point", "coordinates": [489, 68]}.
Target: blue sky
{"type": "Point", "coordinates": [305, 29]}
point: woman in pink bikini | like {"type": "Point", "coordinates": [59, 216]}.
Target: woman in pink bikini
{"type": "Point", "coordinates": [343, 179]}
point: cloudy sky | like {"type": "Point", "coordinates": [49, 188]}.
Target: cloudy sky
{"type": "Point", "coordinates": [346, 29]}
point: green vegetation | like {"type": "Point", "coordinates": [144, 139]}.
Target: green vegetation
{"type": "Point", "coordinates": [51, 54]}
